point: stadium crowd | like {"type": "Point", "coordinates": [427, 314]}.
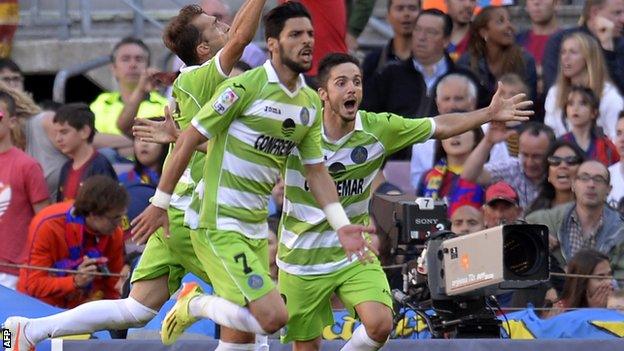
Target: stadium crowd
{"type": "Point", "coordinates": [75, 178]}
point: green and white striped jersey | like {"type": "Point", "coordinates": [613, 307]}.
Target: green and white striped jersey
{"type": "Point", "coordinates": [192, 89]}
{"type": "Point", "coordinates": [307, 243]}
{"type": "Point", "coordinates": [253, 123]}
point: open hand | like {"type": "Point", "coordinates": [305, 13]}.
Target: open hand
{"type": "Point", "coordinates": [512, 109]}
{"type": "Point", "coordinates": [160, 132]}
{"type": "Point", "coordinates": [148, 222]}
{"type": "Point", "coordinates": [353, 242]}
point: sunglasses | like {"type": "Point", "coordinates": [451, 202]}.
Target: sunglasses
{"type": "Point", "coordinates": [569, 160]}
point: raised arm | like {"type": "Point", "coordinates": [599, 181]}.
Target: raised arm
{"type": "Point", "coordinates": [473, 167]}
{"type": "Point", "coordinates": [502, 110]}
{"type": "Point", "coordinates": [241, 33]}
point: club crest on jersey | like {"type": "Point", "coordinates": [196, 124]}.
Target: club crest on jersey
{"type": "Point", "coordinates": [304, 116]}
{"type": "Point", "coordinates": [336, 168]}
{"type": "Point", "coordinates": [288, 127]}
{"type": "Point", "coordinates": [359, 154]}
{"type": "Point", "coordinates": [255, 281]}
{"type": "Point", "coordinates": [225, 101]}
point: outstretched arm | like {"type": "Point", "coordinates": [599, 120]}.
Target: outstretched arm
{"type": "Point", "coordinates": [241, 33]}
{"type": "Point", "coordinates": [502, 110]}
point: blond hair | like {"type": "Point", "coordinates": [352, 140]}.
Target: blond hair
{"type": "Point", "coordinates": [25, 107]}
{"type": "Point", "coordinates": [594, 64]}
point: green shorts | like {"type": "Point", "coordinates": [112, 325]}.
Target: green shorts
{"type": "Point", "coordinates": [173, 256]}
{"type": "Point", "coordinates": [308, 297]}
{"type": "Point", "coordinates": [237, 266]}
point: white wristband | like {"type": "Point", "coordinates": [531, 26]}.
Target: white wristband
{"type": "Point", "coordinates": [336, 216]}
{"type": "Point", "coordinates": [161, 199]}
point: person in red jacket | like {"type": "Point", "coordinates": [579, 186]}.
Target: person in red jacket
{"type": "Point", "coordinates": [84, 235]}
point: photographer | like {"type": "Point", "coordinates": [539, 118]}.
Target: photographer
{"type": "Point", "coordinates": [83, 235]}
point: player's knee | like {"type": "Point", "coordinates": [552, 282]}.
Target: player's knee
{"type": "Point", "coordinates": [273, 320]}
{"type": "Point", "coordinates": [379, 329]}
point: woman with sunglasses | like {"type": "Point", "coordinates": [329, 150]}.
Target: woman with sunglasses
{"type": "Point", "coordinates": [562, 162]}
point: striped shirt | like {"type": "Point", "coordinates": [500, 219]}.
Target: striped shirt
{"type": "Point", "coordinates": [253, 123]}
{"type": "Point", "coordinates": [308, 245]}
{"type": "Point", "coordinates": [192, 89]}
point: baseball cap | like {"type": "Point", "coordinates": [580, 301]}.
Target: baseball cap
{"type": "Point", "coordinates": [501, 191]}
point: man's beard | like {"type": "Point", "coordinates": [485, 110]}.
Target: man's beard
{"type": "Point", "coordinates": [294, 66]}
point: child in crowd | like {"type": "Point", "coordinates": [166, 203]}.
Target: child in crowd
{"type": "Point", "coordinates": [581, 113]}
{"type": "Point", "coordinates": [74, 127]}
{"type": "Point", "coordinates": [23, 192]}
{"type": "Point", "coordinates": [443, 180]}
{"type": "Point", "coordinates": [617, 170]}
{"type": "Point", "coordinates": [148, 163]}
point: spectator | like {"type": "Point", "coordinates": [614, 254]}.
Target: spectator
{"type": "Point", "coordinates": [586, 292]}
{"type": "Point", "coordinates": [602, 19]}
{"type": "Point", "coordinates": [135, 98]}
{"type": "Point", "coordinates": [461, 12]}
{"type": "Point", "coordinates": [501, 205]}
{"type": "Point", "coordinates": [582, 64]}
{"type": "Point", "coordinates": [616, 301]}
{"type": "Point", "coordinates": [467, 219]}
{"type": "Point", "coordinates": [34, 133]}
{"type": "Point", "coordinates": [11, 74]}
{"type": "Point", "coordinates": [562, 162]}
{"type": "Point", "coordinates": [524, 174]}
{"type": "Point", "coordinates": [493, 52]}
{"type": "Point", "coordinates": [23, 192]}
{"type": "Point", "coordinates": [617, 170]}
{"type": "Point", "coordinates": [543, 17]}
{"type": "Point", "coordinates": [443, 180]}
{"type": "Point", "coordinates": [581, 114]}
{"type": "Point", "coordinates": [74, 126]}
{"type": "Point", "coordinates": [586, 223]}
{"type": "Point", "coordinates": [84, 236]}
{"type": "Point", "coordinates": [402, 18]}
{"type": "Point", "coordinates": [429, 41]}
{"type": "Point", "coordinates": [148, 163]}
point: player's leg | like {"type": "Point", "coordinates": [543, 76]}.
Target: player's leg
{"type": "Point", "coordinates": [308, 300]}
{"type": "Point", "coordinates": [238, 268]}
{"type": "Point", "coordinates": [365, 290]}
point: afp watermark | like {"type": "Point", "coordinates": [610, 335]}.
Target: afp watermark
{"type": "Point", "coordinates": [6, 338]}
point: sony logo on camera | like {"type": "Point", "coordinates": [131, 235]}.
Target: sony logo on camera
{"type": "Point", "coordinates": [426, 221]}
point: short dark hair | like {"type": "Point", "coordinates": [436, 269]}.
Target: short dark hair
{"type": "Point", "coordinates": [536, 128]}
{"type": "Point", "coordinates": [78, 116]}
{"type": "Point", "coordinates": [182, 37]}
{"type": "Point", "coordinates": [605, 167]}
{"type": "Point", "coordinates": [390, 4]}
{"type": "Point", "coordinates": [128, 41]}
{"type": "Point", "coordinates": [98, 195]}
{"type": "Point", "coordinates": [330, 61]}
{"type": "Point", "coordinates": [275, 19]}
{"type": "Point", "coordinates": [9, 101]}
{"type": "Point", "coordinates": [7, 63]}
{"type": "Point", "coordinates": [448, 22]}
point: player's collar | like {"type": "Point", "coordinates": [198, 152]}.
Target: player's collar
{"type": "Point", "coordinates": [273, 78]}
{"type": "Point", "coordinates": [357, 127]}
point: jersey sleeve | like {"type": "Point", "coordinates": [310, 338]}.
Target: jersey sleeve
{"type": "Point", "coordinates": [310, 147]}
{"type": "Point", "coordinates": [396, 132]}
{"type": "Point", "coordinates": [226, 104]}
{"type": "Point", "coordinates": [198, 83]}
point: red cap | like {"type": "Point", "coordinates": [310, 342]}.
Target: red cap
{"type": "Point", "coordinates": [501, 191]}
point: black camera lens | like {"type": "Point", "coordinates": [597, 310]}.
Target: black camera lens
{"type": "Point", "coordinates": [523, 252]}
